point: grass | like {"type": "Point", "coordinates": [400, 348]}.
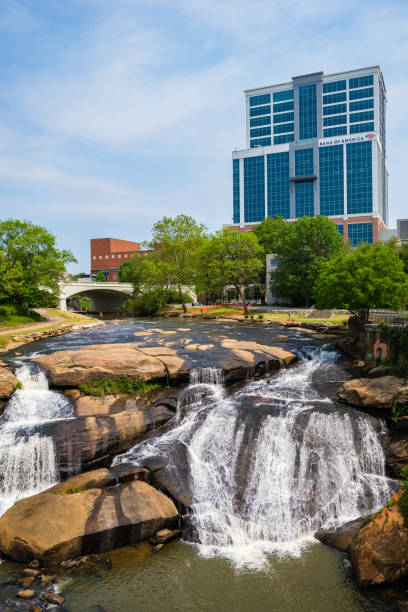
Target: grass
{"type": "Point", "coordinates": [69, 318]}
{"type": "Point", "coordinates": [12, 316]}
{"type": "Point", "coordinates": [125, 384]}
{"type": "Point", "coordinates": [336, 319]}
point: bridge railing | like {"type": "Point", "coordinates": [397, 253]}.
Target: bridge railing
{"type": "Point", "coordinates": [395, 318]}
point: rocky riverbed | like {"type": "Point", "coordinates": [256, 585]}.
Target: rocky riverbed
{"type": "Point", "coordinates": [173, 453]}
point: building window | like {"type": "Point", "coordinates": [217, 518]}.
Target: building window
{"type": "Point", "coordinates": [361, 93]}
{"type": "Point", "coordinates": [260, 142]}
{"type": "Point", "coordinates": [235, 190]}
{"type": "Point", "coordinates": [100, 256]}
{"type": "Point", "coordinates": [360, 232]}
{"type": "Point", "coordinates": [304, 199]}
{"type": "Point", "coordinates": [335, 131]}
{"type": "Point", "coordinates": [263, 131]}
{"type": "Point", "coordinates": [331, 170]}
{"type": "Point", "coordinates": [336, 120]}
{"type": "Point", "coordinates": [282, 117]}
{"type": "Point", "coordinates": [283, 128]}
{"type": "Point", "coordinates": [335, 109]}
{"type": "Point", "coordinates": [283, 138]}
{"type": "Point", "coordinates": [283, 107]}
{"type": "Point", "coordinates": [361, 127]}
{"type": "Point", "coordinates": [361, 105]}
{"type": "Point", "coordinates": [334, 86]}
{"type": "Point", "coordinates": [359, 178]}
{"type": "Point", "coordinates": [304, 162]}
{"type": "Point", "coordinates": [256, 121]}
{"type": "Point", "coordinates": [113, 257]}
{"type": "Point", "coordinates": [280, 96]}
{"type": "Point", "coordinates": [307, 111]}
{"type": "Point", "coordinates": [278, 184]}
{"type": "Point", "coordinates": [340, 229]}
{"type": "Point", "coordinates": [115, 277]}
{"type": "Point", "coordinates": [260, 110]}
{"type": "Point", "coordinates": [125, 256]}
{"type": "Point", "coordinates": [93, 256]}
{"type": "Point", "coordinates": [364, 116]}
{"type": "Point", "coordinates": [254, 189]}
{"type": "Point", "coordinates": [257, 100]}
{"type": "Point", "coordinates": [119, 256]}
{"type": "Point", "coordinates": [334, 98]}
{"type": "Point", "coordinates": [361, 81]}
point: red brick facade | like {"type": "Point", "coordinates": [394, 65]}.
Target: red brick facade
{"type": "Point", "coordinates": [108, 254]}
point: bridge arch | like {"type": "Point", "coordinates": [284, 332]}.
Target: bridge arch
{"type": "Point", "coordinates": [105, 297]}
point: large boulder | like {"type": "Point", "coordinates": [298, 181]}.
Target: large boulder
{"type": "Point", "coordinates": [237, 359]}
{"type": "Point", "coordinates": [341, 537]}
{"type": "Point", "coordinates": [379, 550]}
{"type": "Point", "coordinates": [378, 393]}
{"type": "Point", "coordinates": [84, 515]}
{"type": "Point", "coordinates": [8, 383]}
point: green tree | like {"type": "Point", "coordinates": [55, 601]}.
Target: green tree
{"type": "Point", "coordinates": [270, 232]}
{"type": "Point", "coordinates": [301, 250]}
{"type": "Point", "coordinates": [177, 241]}
{"type": "Point", "coordinates": [230, 258]}
{"type": "Point", "coordinates": [371, 276]}
{"type": "Point", "coordinates": [403, 253]}
{"type": "Point", "coordinates": [29, 261]}
{"type": "Point", "coordinates": [100, 277]}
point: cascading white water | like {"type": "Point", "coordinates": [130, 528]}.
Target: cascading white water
{"type": "Point", "coordinates": [273, 462]}
{"type": "Point", "coordinates": [27, 455]}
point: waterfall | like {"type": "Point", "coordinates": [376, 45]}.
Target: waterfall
{"type": "Point", "coordinates": [273, 462]}
{"type": "Point", "coordinates": [27, 455]}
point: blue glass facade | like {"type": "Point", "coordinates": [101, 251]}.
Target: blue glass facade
{"type": "Point", "coordinates": [278, 185]}
{"type": "Point", "coordinates": [235, 190]}
{"type": "Point", "coordinates": [334, 86]}
{"type": "Point", "coordinates": [304, 198]}
{"type": "Point", "coordinates": [304, 162]}
{"type": "Point", "coordinates": [359, 178]}
{"type": "Point", "coordinates": [340, 229]}
{"type": "Point", "coordinates": [307, 111]}
{"type": "Point", "coordinates": [360, 232]}
{"type": "Point", "coordinates": [331, 170]}
{"type": "Point", "coordinates": [254, 189]}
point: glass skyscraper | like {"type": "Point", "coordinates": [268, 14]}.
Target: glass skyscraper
{"type": "Point", "coordinates": [316, 145]}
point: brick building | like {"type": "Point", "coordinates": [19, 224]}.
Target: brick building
{"type": "Point", "coordinates": [108, 254]}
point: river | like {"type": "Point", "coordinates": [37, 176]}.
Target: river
{"type": "Point", "coordinates": [268, 463]}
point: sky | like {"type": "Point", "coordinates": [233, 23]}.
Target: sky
{"type": "Point", "coordinates": [114, 113]}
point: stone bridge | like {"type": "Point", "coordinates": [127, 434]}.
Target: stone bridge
{"type": "Point", "coordinates": [105, 297]}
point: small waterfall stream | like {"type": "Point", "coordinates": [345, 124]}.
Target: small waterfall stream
{"type": "Point", "coordinates": [27, 455]}
{"type": "Point", "coordinates": [273, 462]}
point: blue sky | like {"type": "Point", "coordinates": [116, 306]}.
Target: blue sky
{"type": "Point", "coordinates": [114, 113]}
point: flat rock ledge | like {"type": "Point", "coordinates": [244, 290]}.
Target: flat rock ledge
{"type": "Point", "coordinates": [378, 393]}
{"type": "Point", "coordinates": [237, 360]}
{"type": "Point", "coordinates": [8, 383]}
{"type": "Point", "coordinates": [90, 513]}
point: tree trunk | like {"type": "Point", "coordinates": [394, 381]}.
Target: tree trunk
{"type": "Point", "coordinates": [181, 296]}
{"type": "Point", "coordinates": [242, 295]}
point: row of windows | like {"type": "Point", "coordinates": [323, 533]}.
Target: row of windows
{"type": "Point", "coordinates": [281, 96]}
{"type": "Point", "coordinates": [258, 100]}
{"type": "Point", "coordinates": [283, 138]}
{"type": "Point", "coordinates": [260, 110]}
{"type": "Point", "coordinates": [361, 105]}
{"type": "Point", "coordinates": [334, 86]}
{"type": "Point", "coordinates": [354, 83]}
{"type": "Point", "coordinates": [335, 131]}
{"type": "Point", "coordinates": [255, 121]}
{"type": "Point", "coordinates": [263, 131]}
{"type": "Point", "coordinates": [360, 232]}
{"type": "Point", "coordinates": [284, 106]}
{"type": "Point", "coordinates": [304, 199]}
{"type": "Point", "coordinates": [331, 170]}
{"type": "Point", "coordinates": [337, 120]}
{"type": "Point", "coordinates": [304, 162]}
{"type": "Point", "coordinates": [260, 142]}
{"type": "Point", "coordinates": [335, 109]}
{"type": "Point", "coordinates": [361, 93]}
{"type": "Point", "coordinates": [118, 255]}
{"type": "Point", "coordinates": [333, 98]}
{"type": "Point", "coordinates": [361, 127]}
{"type": "Point", "coordinates": [278, 186]}
{"type": "Point", "coordinates": [235, 190]}
{"type": "Point", "coordinates": [359, 178]}
{"type": "Point", "coordinates": [364, 116]}
{"type": "Point", "coordinates": [283, 128]}
{"type": "Point", "coordinates": [283, 117]}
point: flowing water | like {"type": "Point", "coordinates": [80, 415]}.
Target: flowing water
{"type": "Point", "coordinates": [266, 464]}
{"type": "Point", "coordinates": [27, 455]}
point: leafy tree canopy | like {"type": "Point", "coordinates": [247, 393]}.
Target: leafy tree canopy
{"type": "Point", "coordinates": [100, 277]}
{"type": "Point", "coordinates": [371, 276]}
{"type": "Point", "coordinates": [230, 258]}
{"type": "Point", "coordinates": [269, 233]}
{"type": "Point", "coordinates": [29, 261]}
{"type": "Point", "coordinates": [301, 250]}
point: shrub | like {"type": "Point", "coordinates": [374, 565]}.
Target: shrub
{"type": "Point", "coordinates": [124, 384]}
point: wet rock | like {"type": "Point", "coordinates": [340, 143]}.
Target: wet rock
{"type": "Point", "coordinates": [172, 475]}
{"type": "Point", "coordinates": [165, 535]}
{"type": "Point", "coordinates": [87, 517]}
{"type": "Point", "coordinates": [378, 393]}
{"type": "Point", "coordinates": [379, 550]}
{"type": "Point", "coordinates": [341, 537]}
{"type": "Point", "coordinates": [28, 571]}
{"type": "Point", "coordinates": [157, 548]}
{"type": "Point", "coordinates": [26, 582]}
{"type": "Point", "coordinates": [47, 579]}
{"type": "Point", "coordinates": [53, 598]}
{"type": "Point", "coordinates": [26, 594]}
{"type": "Point", "coordinates": [379, 371]}
{"type": "Point", "coordinates": [34, 564]}
{"type": "Point", "coordinates": [398, 451]}
{"type": "Point", "coordinates": [8, 383]}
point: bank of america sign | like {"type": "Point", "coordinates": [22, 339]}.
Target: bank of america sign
{"type": "Point", "coordinates": [346, 139]}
